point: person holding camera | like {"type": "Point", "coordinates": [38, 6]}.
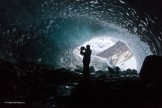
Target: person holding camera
{"type": "Point", "coordinates": [86, 52]}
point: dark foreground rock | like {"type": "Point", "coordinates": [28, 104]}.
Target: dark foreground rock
{"type": "Point", "coordinates": [29, 85]}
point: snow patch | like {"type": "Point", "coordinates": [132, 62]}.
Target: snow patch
{"type": "Point", "coordinates": [129, 64]}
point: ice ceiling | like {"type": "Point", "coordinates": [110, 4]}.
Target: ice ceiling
{"type": "Point", "coordinates": [47, 31]}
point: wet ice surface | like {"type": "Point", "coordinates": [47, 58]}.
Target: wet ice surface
{"type": "Point", "coordinates": [64, 90]}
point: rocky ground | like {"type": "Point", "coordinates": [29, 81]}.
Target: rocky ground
{"type": "Point", "coordinates": [29, 85]}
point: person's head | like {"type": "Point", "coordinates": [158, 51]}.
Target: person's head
{"type": "Point", "coordinates": [88, 47]}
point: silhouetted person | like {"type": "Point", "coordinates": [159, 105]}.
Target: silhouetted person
{"type": "Point", "coordinates": [86, 52]}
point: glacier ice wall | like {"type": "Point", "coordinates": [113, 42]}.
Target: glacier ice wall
{"type": "Point", "coordinates": [47, 31]}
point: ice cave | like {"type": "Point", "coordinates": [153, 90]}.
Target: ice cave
{"type": "Point", "coordinates": [40, 61]}
{"type": "Point", "coordinates": [49, 32]}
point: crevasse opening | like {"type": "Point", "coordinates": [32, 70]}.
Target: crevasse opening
{"type": "Point", "coordinates": [107, 51]}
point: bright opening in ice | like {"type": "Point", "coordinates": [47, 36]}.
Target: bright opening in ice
{"type": "Point", "coordinates": [108, 51]}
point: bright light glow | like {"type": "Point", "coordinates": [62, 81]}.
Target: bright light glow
{"type": "Point", "coordinates": [131, 63]}
{"type": "Point", "coordinates": [100, 44]}
{"type": "Point", "coordinates": [123, 60]}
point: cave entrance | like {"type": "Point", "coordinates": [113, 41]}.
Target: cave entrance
{"type": "Point", "coordinates": [108, 51]}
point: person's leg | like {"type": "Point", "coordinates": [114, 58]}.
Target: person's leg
{"type": "Point", "coordinates": [86, 72]}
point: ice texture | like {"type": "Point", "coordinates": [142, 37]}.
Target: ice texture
{"type": "Point", "coordinates": [48, 31]}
